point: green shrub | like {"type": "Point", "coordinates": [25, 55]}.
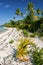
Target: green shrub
{"type": "Point", "coordinates": [11, 41]}
{"type": "Point", "coordinates": [32, 35]}
{"type": "Point", "coordinates": [22, 49]}
{"type": "Point", "coordinates": [25, 32]}
{"type": "Point", "coordinates": [37, 56]}
{"type": "Point", "coordinates": [40, 33]}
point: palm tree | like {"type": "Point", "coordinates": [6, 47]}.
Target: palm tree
{"type": "Point", "coordinates": [18, 12]}
{"type": "Point", "coordinates": [21, 14]}
{"type": "Point", "coordinates": [30, 7]}
{"type": "Point", "coordinates": [30, 10]}
{"type": "Point", "coordinates": [38, 11]}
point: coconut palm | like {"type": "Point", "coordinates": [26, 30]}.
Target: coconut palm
{"type": "Point", "coordinates": [21, 14]}
{"type": "Point", "coordinates": [18, 12]}
{"type": "Point", "coordinates": [30, 7]}
{"type": "Point", "coordinates": [30, 10]}
{"type": "Point", "coordinates": [38, 11]}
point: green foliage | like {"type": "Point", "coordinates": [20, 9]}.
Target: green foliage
{"type": "Point", "coordinates": [38, 11]}
{"type": "Point", "coordinates": [32, 35]}
{"type": "Point", "coordinates": [30, 7]}
{"type": "Point", "coordinates": [11, 41]}
{"type": "Point", "coordinates": [40, 34]}
{"type": "Point", "coordinates": [10, 24]}
{"type": "Point", "coordinates": [22, 47]}
{"type": "Point", "coordinates": [18, 11]}
{"type": "Point", "coordinates": [21, 14]}
{"type": "Point", "coordinates": [40, 31]}
{"type": "Point", "coordinates": [41, 26]}
{"type": "Point", "coordinates": [25, 32]}
{"type": "Point", "coordinates": [37, 56]}
{"type": "Point", "coordinates": [29, 22]}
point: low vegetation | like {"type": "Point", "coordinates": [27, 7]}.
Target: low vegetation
{"type": "Point", "coordinates": [11, 41]}
{"type": "Point", "coordinates": [25, 32]}
{"type": "Point", "coordinates": [22, 51]}
{"type": "Point", "coordinates": [34, 34]}
{"type": "Point", "coordinates": [37, 55]}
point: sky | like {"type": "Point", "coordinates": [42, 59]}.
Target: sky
{"type": "Point", "coordinates": [8, 8]}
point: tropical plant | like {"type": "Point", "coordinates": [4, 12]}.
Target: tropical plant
{"type": "Point", "coordinates": [11, 41]}
{"type": "Point", "coordinates": [38, 11]}
{"type": "Point", "coordinates": [18, 12]}
{"type": "Point", "coordinates": [22, 49]}
{"type": "Point", "coordinates": [31, 22]}
{"type": "Point", "coordinates": [30, 10]}
{"type": "Point", "coordinates": [32, 35]}
{"type": "Point", "coordinates": [30, 6]}
{"type": "Point", "coordinates": [37, 56]}
{"type": "Point", "coordinates": [25, 32]}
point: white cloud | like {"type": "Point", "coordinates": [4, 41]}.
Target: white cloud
{"type": "Point", "coordinates": [7, 6]}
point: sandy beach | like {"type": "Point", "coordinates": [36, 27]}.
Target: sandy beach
{"type": "Point", "coordinates": [7, 49]}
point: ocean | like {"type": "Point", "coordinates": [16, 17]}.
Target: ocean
{"type": "Point", "coordinates": [2, 29]}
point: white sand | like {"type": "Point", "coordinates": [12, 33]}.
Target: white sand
{"type": "Point", "coordinates": [7, 50]}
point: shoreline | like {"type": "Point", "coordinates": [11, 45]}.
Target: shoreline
{"type": "Point", "coordinates": [6, 29]}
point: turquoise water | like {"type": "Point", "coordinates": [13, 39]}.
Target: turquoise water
{"type": "Point", "coordinates": [2, 29]}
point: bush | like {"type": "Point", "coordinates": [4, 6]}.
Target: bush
{"type": "Point", "coordinates": [25, 32]}
{"type": "Point", "coordinates": [40, 33]}
{"type": "Point", "coordinates": [22, 50]}
{"type": "Point", "coordinates": [32, 35]}
{"type": "Point", "coordinates": [11, 41]}
{"type": "Point", "coordinates": [37, 56]}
